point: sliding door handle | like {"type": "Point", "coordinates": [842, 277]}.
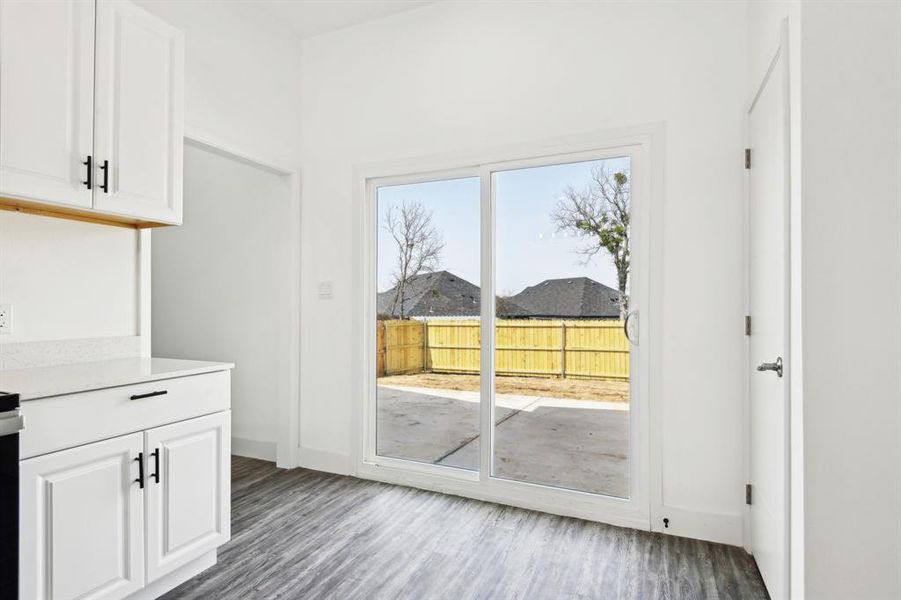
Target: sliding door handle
{"type": "Point", "coordinates": [628, 321]}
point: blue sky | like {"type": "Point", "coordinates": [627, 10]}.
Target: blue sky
{"type": "Point", "coordinates": [529, 249]}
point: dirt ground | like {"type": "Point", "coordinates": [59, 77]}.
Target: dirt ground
{"type": "Point", "coordinates": [574, 389]}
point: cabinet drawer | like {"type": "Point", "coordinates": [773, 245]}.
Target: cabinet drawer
{"type": "Point", "coordinates": [74, 419]}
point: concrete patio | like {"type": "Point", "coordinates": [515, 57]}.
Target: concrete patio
{"type": "Point", "coordinates": [574, 444]}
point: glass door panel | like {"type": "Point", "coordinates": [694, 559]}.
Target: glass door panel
{"type": "Point", "coordinates": [562, 369]}
{"type": "Point", "coordinates": [428, 330]}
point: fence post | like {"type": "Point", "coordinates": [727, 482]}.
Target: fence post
{"type": "Point", "coordinates": [563, 349]}
{"type": "Point", "coordinates": [425, 343]}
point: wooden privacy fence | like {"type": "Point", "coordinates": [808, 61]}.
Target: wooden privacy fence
{"type": "Point", "coordinates": [577, 349]}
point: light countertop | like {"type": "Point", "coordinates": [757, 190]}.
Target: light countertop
{"type": "Point", "coordinates": [41, 382]}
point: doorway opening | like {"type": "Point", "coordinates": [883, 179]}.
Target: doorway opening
{"type": "Point", "coordinates": [254, 273]}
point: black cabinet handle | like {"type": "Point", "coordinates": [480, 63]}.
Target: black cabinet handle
{"type": "Point", "coordinates": [140, 478]}
{"type": "Point", "coordinates": [149, 394]}
{"type": "Point", "coordinates": [90, 165]}
{"type": "Point", "coordinates": [105, 168]}
{"type": "Point", "coordinates": [156, 465]}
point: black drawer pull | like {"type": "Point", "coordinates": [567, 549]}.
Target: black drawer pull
{"type": "Point", "coordinates": [149, 394]}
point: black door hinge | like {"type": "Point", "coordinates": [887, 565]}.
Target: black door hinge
{"type": "Point", "coordinates": [747, 324]}
{"type": "Point", "coordinates": [748, 494]}
{"type": "Point", "coordinates": [747, 158]}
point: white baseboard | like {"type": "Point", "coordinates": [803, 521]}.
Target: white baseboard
{"type": "Point", "coordinates": [254, 449]}
{"type": "Point", "coordinates": [722, 528]}
{"type": "Point", "coordinates": [319, 460]}
{"type": "Point", "coordinates": [540, 501]}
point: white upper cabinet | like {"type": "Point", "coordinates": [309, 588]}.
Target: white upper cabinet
{"type": "Point", "coordinates": [101, 79]}
{"type": "Point", "coordinates": [46, 100]}
{"type": "Point", "coordinates": [139, 121]}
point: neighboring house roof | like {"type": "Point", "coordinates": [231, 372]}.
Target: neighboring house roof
{"type": "Point", "coordinates": [443, 294]}
{"type": "Point", "coordinates": [507, 308]}
{"type": "Point", "coordinates": [572, 297]}
{"type": "Point", "coordinates": [437, 294]}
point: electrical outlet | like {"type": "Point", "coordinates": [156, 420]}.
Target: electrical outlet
{"type": "Point", "coordinates": [6, 319]}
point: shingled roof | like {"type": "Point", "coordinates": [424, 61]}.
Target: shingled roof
{"type": "Point", "coordinates": [442, 294]}
{"type": "Point", "coordinates": [572, 297]}
{"type": "Point", "coordinates": [438, 294]}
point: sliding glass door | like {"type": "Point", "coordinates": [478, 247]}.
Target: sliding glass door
{"type": "Point", "coordinates": [562, 373]}
{"type": "Point", "coordinates": [428, 322]}
{"type": "Point", "coordinates": [503, 311]}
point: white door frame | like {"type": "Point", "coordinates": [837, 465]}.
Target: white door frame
{"type": "Point", "coordinates": [645, 146]}
{"type": "Point", "coordinates": [778, 73]}
{"type": "Point", "coordinates": [288, 409]}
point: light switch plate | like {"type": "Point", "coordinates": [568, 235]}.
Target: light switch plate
{"type": "Point", "coordinates": [6, 319]}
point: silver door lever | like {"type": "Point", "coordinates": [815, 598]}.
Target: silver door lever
{"type": "Point", "coordinates": [773, 366]}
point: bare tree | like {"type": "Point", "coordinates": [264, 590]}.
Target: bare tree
{"type": "Point", "coordinates": [419, 246]}
{"type": "Point", "coordinates": [600, 214]}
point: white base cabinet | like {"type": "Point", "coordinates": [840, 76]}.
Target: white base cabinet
{"type": "Point", "coordinates": [82, 522]}
{"type": "Point", "coordinates": [106, 519]}
{"type": "Point", "coordinates": [188, 503]}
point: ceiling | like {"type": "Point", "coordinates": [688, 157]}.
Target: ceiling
{"type": "Point", "coordinates": [312, 17]}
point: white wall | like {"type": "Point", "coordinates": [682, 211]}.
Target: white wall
{"type": "Point", "coordinates": [67, 279]}
{"type": "Point", "coordinates": [221, 286]}
{"type": "Point", "coordinates": [457, 76]}
{"type": "Point", "coordinates": [242, 77]}
{"type": "Point", "coordinates": [851, 280]}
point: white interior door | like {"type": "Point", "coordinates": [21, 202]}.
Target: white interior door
{"type": "Point", "coordinates": [188, 491]}
{"type": "Point", "coordinates": [769, 367]}
{"type": "Point", "coordinates": [82, 522]}
{"type": "Point", "coordinates": [138, 135]}
{"type": "Point", "coordinates": [46, 100]}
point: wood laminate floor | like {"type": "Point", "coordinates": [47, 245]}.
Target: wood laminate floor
{"type": "Point", "coordinates": [306, 534]}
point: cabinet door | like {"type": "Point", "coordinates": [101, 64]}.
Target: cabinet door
{"type": "Point", "coordinates": [188, 492]}
{"type": "Point", "coordinates": [46, 99]}
{"type": "Point", "coordinates": [139, 114]}
{"type": "Point", "coordinates": [82, 522]}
